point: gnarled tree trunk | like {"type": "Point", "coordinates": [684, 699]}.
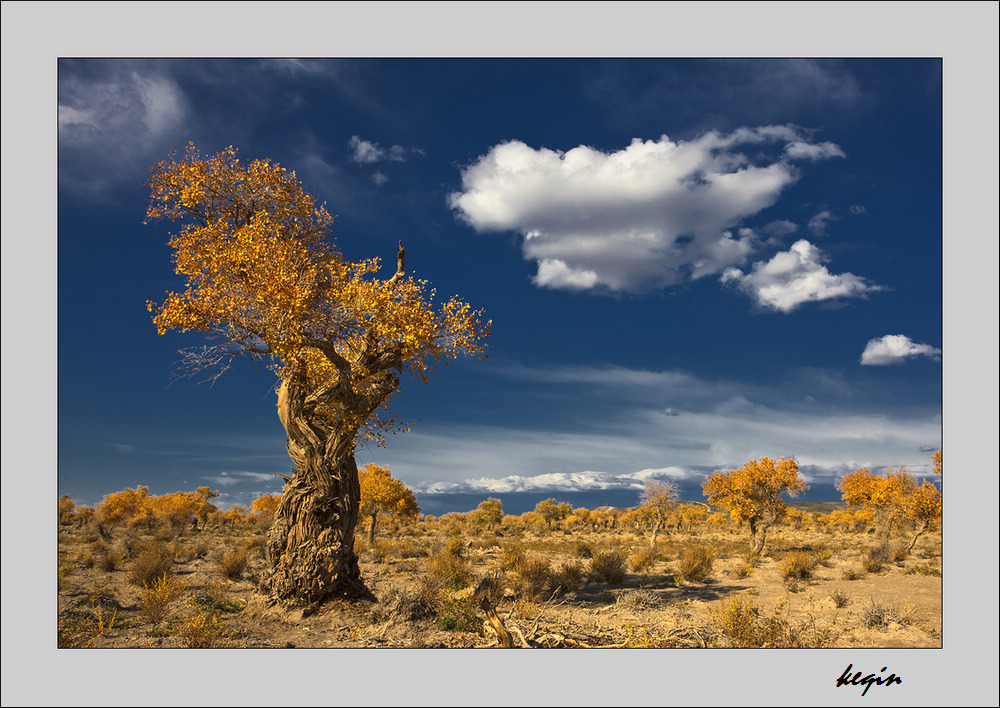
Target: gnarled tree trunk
{"type": "Point", "coordinates": [310, 547]}
{"type": "Point", "coordinates": [311, 544]}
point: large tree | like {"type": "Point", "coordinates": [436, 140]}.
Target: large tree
{"type": "Point", "coordinates": [752, 494]}
{"type": "Point", "coordinates": [263, 280]}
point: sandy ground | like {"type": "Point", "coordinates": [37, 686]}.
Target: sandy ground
{"type": "Point", "coordinates": [898, 606]}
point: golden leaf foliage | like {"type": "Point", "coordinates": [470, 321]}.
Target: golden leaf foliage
{"type": "Point", "coordinates": [381, 493]}
{"type": "Point", "coordinates": [266, 503]}
{"type": "Point", "coordinates": [936, 461]}
{"type": "Point", "coordinates": [753, 492]}
{"type": "Point", "coordinates": [892, 496]}
{"type": "Point", "coordinates": [262, 277]}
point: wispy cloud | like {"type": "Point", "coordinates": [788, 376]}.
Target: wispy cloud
{"type": "Point", "coordinates": [365, 152]}
{"type": "Point", "coordinates": [662, 424]}
{"type": "Point", "coordinates": [895, 349]}
{"type": "Point", "coordinates": [653, 214]}
{"type": "Point", "coordinates": [795, 277]}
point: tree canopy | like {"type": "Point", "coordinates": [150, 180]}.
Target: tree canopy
{"type": "Point", "coordinates": [262, 279]}
{"type": "Point", "coordinates": [752, 494]}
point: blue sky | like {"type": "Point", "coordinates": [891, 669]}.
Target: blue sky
{"type": "Point", "coordinates": [688, 264]}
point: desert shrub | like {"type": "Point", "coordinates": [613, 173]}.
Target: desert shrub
{"type": "Point", "coordinates": [695, 564]}
{"type": "Point", "coordinates": [743, 569]}
{"type": "Point", "coordinates": [923, 569]}
{"type": "Point", "coordinates": [879, 614]}
{"type": "Point", "coordinates": [532, 577]}
{"type": "Point", "coordinates": [213, 597]}
{"type": "Point", "coordinates": [638, 600]}
{"type": "Point", "coordinates": [568, 578]}
{"type": "Point", "coordinates": [854, 573]}
{"type": "Point", "coordinates": [459, 615]}
{"type": "Point", "coordinates": [232, 564]}
{"type": "Point", "coordinates": [643, 560]}
{"type": "Point", "coordinates": [609, 566]}
{"type": "Point", "coordinates": [840, 598]}
{"type": "Point", "coordinates": [584, 550]}
{"type": "Point", "coordinates": [382, 550]}
{"type": "Point", "coordinates": [511, 556]}
{"type": "Point", "coordinates": [398, 607]}
{"type": "Point", "coordinates": [156, 598]}
{"type": "Point", "coordinates": [451, 568]}
{"type": "Point", "coordinates": [455, 546]}
{"type": "Point", "coordinates": [744, 625]}
{"type": "Point", "coordinates": [151, 563]}
{"type": "Point", "coordinates": [898, 553]}
{"type": "Point", "coordinates": [204, 631]}
{"type": "Point", "coordinates": [798, 565]}
{"type": "Point", "coordinates": [80, 629]}
{"type": "Point", "coordinates": [877, 558]}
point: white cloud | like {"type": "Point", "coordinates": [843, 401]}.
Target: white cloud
{"type": "Point", "coordinates": [653, 214]}
{"type": "Point", "coordinates": [817, 224]}
{"type": "Point", "coordinates": [799, 150]}
{"type": "Point", "coordinates": [379, 178]}
{"type": "Point", "coordinates": [118, 109]}
{"type": "Point", "coordinates": [794, 277]}
{"type": "Point", "coordinates": [895, 349]}
{"type": "Point", "coordinates": [365, 152]}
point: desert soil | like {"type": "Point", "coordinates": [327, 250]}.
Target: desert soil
{"type": "Point", "coordinates": [897, 606]}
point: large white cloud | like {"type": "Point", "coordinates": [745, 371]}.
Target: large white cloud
{"type": "Point", "coordinates": [895, 349]}
{"type": "Point", "coordinates": [653, 214]}
{"type": "Point", "coordinates": [794, 277]}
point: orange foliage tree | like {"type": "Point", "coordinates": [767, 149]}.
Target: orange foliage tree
{"type": "Point", "coordinates": [890, 497]}
{"type": "Point", "coordinates": [658, 499]}
{"type": "Point", "coordinates": [263, 280]}
{"type": "Point", "coordinates": [752, 494]}
{"type": "Point", "coordinates": [128, 505]}
{"type": "Point", "coordinates": [383, 493]}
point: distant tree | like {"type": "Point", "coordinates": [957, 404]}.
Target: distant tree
{"type": "Point", "coordinates": [658, 499]}
{"type": "Point", "coordinates": [752, 494]}
{"type": "Point", "coordinates": [263, 280]}
{"type": "Point", "coordinates": [266, 504]}
{"type": "Point", "coordinates": [489, 513]}
{"type": "Point", "coordinates": [126, 506]}
{"type": "Point", "coordinates": [65, 508]}
{"type": "Point", "coordinates": [923, 506]}
{"type": "Point", "coordinates": [383, 493]}
{"type": "Point", "coordinates": [891, 497]}
{"type": "Point", "coordinates": [936, 461]}
{"type": "Point", "coordinates": [205, 507]}
{"type": "Point", "coordinates": [550, 511]}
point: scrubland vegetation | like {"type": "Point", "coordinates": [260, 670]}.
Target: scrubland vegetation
{"type": "Point", "coordinates": [174, 571]}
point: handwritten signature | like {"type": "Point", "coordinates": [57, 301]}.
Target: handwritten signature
{"type": "Point", "coordinates": [867, 681]}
